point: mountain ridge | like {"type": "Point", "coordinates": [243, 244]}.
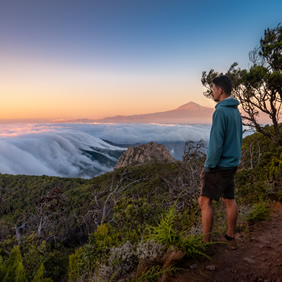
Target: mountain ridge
{"type": "Point", "coordinates": [190, 112]}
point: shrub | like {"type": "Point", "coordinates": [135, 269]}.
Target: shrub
{"type": "Point", "coordinates": [39, 276]}
{"type": "Point", "coordinates": [259, 212]}
{"type": "Point", "coordinates": [13, 269]}
{"type": "Point", "coordinates": [121, 262]}
{"type": "Point", "coordinates": [150, 250]}
{"type": "Point", "coordinates": [131, 216]}
{"type": "Point", "coordinates": [74, 267]}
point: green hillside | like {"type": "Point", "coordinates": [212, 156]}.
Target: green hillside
{"type": "Point", "coordinates": [107, 227]}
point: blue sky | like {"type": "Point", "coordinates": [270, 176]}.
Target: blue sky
{"type": "Point", "coordinates": [77, 59]}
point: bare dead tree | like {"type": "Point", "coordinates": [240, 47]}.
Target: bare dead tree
{"type": "Point", "coordinates": [116, 187]}
{"type": "Point", "coordinates": [18, 232]}
{"type": "Point", "coordinates": [194, 157]}
{"type": "Point", "coordinates": [251, 155]}
{"type": "Point", "coordinates": [50, 207]}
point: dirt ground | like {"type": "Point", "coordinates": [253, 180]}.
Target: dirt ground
{"type": "Point", "coordinates": [258, 257]}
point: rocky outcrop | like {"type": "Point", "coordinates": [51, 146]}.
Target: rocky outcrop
{"type": "Point", "coordinates": [151, 152]}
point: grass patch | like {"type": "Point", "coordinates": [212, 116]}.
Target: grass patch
{"type": "Point", "coordinates": [259, 212]}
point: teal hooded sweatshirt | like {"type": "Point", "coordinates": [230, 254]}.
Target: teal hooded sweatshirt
{"type": "Point", "coordinates": [224, 150]}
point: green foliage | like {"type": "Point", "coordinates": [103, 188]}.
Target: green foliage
{"type": "Point", "coordinates": [260, 175]}
{"type": "Point", "coordinates": [259, 212]}
{"type": "Point", "coordinates": [13, 269]}
{"type": "Point", "coordinates": [74, 267]}
{"type": "Point", "coordinates": [2, 269]}
{"type": "Point", "coordinates": [189, 218]}
{"type": "Point", "coordinates": [164, 232]}
{"type": "Point", "coordinates": [39, 276]}
{"type": "Point", "coordinates": [7, 245]}
{"type": "Point", "coordinates": [56, 265]}
{"type": "Point", "coordinates": [131, 216]}
{"type": "Point", "coordinates": [258, 89]}
{"type": "Point", "coordinates": [255, 147]}
{"type": "Point", "coordinates": [154, 273]}
{"type": "Point", "coordinates": [279, 195]}
{"type": "Point", "coordinates": [104, 237]}
{"type": "Point", "coordinates": [193, 246]}
{"type": "Point", "coordinates": [271, 47]}
{"type": "Point", "coordinates": [275, 167]}
{"type": "Point", "coordinates": [97, 251]}
{"type": "Point", "coordinates": [21, 200]}
{"type": "Point", "coordinates": [34, 254]}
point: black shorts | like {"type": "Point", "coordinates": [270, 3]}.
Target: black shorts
{"type": "Point", "coordinates": [218, 182]}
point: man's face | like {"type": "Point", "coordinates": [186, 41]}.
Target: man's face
{"type": "Point", "coordinates": [216, 93]}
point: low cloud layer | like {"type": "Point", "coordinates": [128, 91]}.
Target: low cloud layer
{"type": "Point", "coordinates": [71, 150]}
{"type": "Point", "coordinates": [143, 133]}
{"type": "Point", "coordinates": [55, 154]}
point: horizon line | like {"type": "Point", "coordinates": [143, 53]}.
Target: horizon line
{"type": "Point", "coordinates": [57, 120]}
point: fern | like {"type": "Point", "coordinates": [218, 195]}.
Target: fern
{"type": "Point", "coordinates": [193, 245]}
{"type": "Point", "coordinates": [164, 232]}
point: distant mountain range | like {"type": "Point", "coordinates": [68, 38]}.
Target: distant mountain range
{"type": "Point", "coordinates": [189, 113]}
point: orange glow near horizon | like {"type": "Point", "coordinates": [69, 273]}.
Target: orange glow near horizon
{"type": "Point", "coordinates": [40, 90]}
{"type": "Point", "coordinates": [60, 108]}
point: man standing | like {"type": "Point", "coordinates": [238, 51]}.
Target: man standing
{"type": "Point", "coordinates": [223, 157]}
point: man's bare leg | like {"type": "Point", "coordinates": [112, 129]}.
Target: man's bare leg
{"type": "Point", "coordinates": [232, 211]}
{"type": "Point", "coordinates": [207, 217]}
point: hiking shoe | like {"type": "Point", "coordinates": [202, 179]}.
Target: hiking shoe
{"type": "Point", "coordinates": [231, 242]}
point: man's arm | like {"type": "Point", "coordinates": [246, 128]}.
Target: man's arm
{"type": "Point", "coordinates": [216, 140]}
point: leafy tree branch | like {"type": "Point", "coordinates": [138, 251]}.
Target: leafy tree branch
{"type": "Point", "coordinates": [258, 89]}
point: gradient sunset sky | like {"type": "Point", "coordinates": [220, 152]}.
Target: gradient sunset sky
{"type": "Point", "coordinates": [70, 59]}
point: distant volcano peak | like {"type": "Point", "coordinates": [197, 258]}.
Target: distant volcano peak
{"type": "Point", "coordinates": [187, 113]}
{"type": "Point", "coordinates": [190, 106]}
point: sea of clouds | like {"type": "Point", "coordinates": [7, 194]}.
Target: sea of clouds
{"type": "Point", "coordinates": [83, 150]}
